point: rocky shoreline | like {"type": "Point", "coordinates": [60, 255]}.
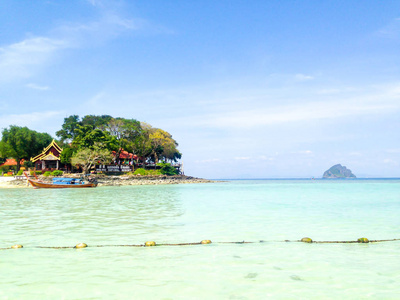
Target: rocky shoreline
{"type": "Point", "coordinates": [118, 180]}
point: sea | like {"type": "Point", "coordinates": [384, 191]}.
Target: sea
{"type": "Point", "coordinates": [254, 226]}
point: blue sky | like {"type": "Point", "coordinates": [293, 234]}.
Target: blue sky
{"type": "Point", "coordinates": [249, 89]}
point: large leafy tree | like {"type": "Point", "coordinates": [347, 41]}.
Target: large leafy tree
{"type": "Point", "coordinates": [86, 137]}
{"type": "Point", "coordinates": [67, 132]}
{"type": "Point", "coordinates": [124, 132]}
{"type": "Point", "coordinates": [87, 158]}
{"type": "Point", "coordinates": [22, 143]}
{"type": "Point", "coordinates": [163, 145]}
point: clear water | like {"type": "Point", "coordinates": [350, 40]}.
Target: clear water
{"type": "Point", "coordinates": [268, 210]}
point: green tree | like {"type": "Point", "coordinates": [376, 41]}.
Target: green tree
{"type": "Point", "coordinates": [67, 133]}
{"type": "Point", "coordinates": [124, 131]}
{"type": "Point", "coordinates": [86, 137]}
{"type": "Point", "coordinates": [87, 158]}
{"type": "Point", "coordinates": [163, 145]}
{"type": "Point", "coordinates": [22, 143]}
{"type": "Point", "coordinates": [96, 121]}
{"type": "Point", "coordinates": [66, 154]}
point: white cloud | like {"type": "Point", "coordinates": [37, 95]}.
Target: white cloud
{"type": "Point", "coordinates": [208, 160]}
{"type": "Point", "coordinates": [307, 152]}
{"type": "Point", "coordinates": [303, 77]}
{"type": "Point", "coordinates": [391, 31]}
{"type": "Point", "coordinates": [22, 59]}
{"type": "Point", "coordinates": [37, 87]}
{"type": "Point", "coordinates": [390, 162]}
{"type": "Point", "coordinates": [242, 158]}
{"type": "Point", "coordinates": [384, 100]}
{"type": "Point", "coordinates": [31, 120]}
{"type": "Point", "coordinates": [19, 59]}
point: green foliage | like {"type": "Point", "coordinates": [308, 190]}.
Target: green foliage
{"type": "Point", "coordinates": [167, 169]}
{"type": "Point", "coordinates": [22, 143]}
{"type": "Point", "coordinates": [20, 172]}
{"type": "Point", "coordinates": [66, 154]}
{"type": "Point", "coordinates": [68, 128]}
{"type": "Point", "coordinates": [117, 134]}
{"type": "Point", "coordinates": [87, 137]}
{"type": "Point", "coordinates": [87, 158]}
{"type": "Point", "coordinates": [144, 172]}
{"type": "Point", "coordinates": [37, 172]}
{"type": "Point", "coordinates": [57, 173]}
{"type": "Point", "coordinates": [47, 173]}
{"type": "Point", "coordinates": [28, 164]}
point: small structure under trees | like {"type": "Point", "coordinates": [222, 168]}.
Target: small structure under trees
{"type": "Point", "coordinates": [49, 159]}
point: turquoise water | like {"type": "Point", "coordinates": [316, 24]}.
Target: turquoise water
{"type": "Point", "coordinates": [268, 210]}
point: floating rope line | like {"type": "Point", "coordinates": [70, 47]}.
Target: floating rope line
{"type": "Point", "coordinates": [205, 242]}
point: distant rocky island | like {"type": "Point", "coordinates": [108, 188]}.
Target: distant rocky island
{"type": "Point", "coordinates": [338, 171]}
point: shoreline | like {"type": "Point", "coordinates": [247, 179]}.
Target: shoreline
{"type": "Point", "coordinates": [113, 180]}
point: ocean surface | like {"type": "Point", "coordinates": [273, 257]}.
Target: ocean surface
{"type": "Point", "coordinates": [270, 211]}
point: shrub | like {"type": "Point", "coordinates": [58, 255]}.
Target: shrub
{"type": "Point", "coordinates": [56, 173]}
{"type": "Point", "coordinates": [144, 172]}
{"type": "Point", "coordinates": [37, 172]}
{"type": "Point", "coordinates": [20, 172]}
{"type": "Point", "coordinates": [167, 169]}
{"type": "Point", "coordinates": [47, 173]}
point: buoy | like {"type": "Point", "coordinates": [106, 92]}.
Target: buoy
{"type": "Point", "coordinates": [150, 244]}
{"type": "Point", "coordinates": [80, 245]}
{"type": "Point", "coordinates": [206, 242]}
{"type": "Point", "coordinates": [306, 240]}
{"type": "Point", "coordinates": [363, 240]}
{"type": "Point", "coordinates": [17, 246]}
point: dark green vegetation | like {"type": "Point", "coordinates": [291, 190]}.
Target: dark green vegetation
{"type": "Point", "coordinates": [22, 143]}
{"type": "Point", "coordinates": [95, 140]}
{"type": "Point", "coordinates": [338, 171]}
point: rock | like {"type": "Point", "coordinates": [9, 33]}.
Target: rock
{"type": "Point", "coordinates": [338, 171]}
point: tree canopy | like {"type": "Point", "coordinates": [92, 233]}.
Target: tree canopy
{"type": "Point", "coordinates": [22, 143]}
{"type": "Point", "coordinates": [117, 134]}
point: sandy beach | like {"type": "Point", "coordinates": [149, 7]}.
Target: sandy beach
{"type": "Point", "coordinates": [11, 182]}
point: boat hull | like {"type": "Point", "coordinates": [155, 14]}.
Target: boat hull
{"type": "Point", "coordinates": [45, 185]}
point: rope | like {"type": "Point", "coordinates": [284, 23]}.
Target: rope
{"type": "Point", "coordinates": [152, 243]}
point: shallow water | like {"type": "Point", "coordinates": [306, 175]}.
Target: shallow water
{"type": "Point", "coordinates": [267, 210]}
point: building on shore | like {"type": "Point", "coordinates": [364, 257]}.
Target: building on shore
{"type": "Point", "coordinates": [49, 159]}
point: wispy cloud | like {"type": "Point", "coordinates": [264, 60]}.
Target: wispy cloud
{"type": "Point", "coordinates": [303, 77]}
{"type": "Point", "coordinates": [390, 31]}
{"type": "Point", "coordinates": [17, 60]}
{"type": "Point", "coordinates": [242, 158]}
{"type": "Point", "coordinates": [31, 120]}
{"type": "Point", "coordinates": [37, 87]}
{"type": "Point", "coordinates": [384, 100]}
{"type": "Point", "coordinates": [24, 58]}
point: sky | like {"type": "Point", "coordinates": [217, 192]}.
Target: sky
{"type": "Point", "coordinates": [249, 89]}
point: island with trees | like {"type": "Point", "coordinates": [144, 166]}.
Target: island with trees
{"type": "Point", "coordinates": [338, 171]}
{"type": "Point", "coordinates": [97, 144]}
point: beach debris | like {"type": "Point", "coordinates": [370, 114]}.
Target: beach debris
{"type": "Point", "coordinates": [205, 242]}
{"type": "Point", "coordinates": [80, 246]}
{"type": "Point", "coordinates": [251, 275]}
{"type": "Point", "coordinates": [17, 246]}
{"type": "Point", "coordinates": [363, 240]}
{"type": "Point", "coordinates": [295, 277]}
{"type": "Point", "coordinates": [306, 240]}
{"type": "Point", "coordinates": [149, 244]}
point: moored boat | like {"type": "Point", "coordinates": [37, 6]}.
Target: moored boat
{"type": "Point", "coordinates": [62, 183]}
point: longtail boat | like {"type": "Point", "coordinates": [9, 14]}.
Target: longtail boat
{"type": "Point", "coordinates": [62, 183]}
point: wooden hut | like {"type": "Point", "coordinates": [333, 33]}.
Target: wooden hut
{"type": "Point", "coordinates": [49, 159]}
